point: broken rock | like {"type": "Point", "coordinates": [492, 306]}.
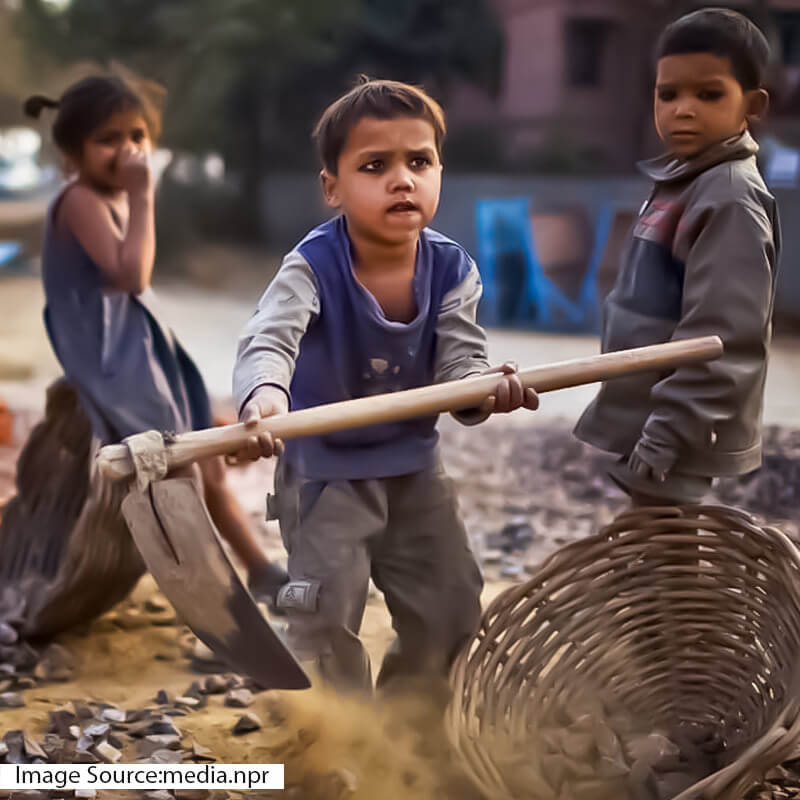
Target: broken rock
{"type": "Point", "coordinates": [235, 681]}
{"type": "Point", "coordinates": [247, 723]}
{"type": "Point", "coordinates": [15, 747]}
{"type": "Point", "coordinates": [82, 711]}
{"type": "Point", "coordinates": [164, 741]}
{"type": "Point", "coordinates": [113, 715]}
{"type": "Point", "coordinates": [54, 746]}
{"type": "Point", "coordinates": [11, 700]}
{"type": "Point", "coordinates": [195, 690]}
{"type": "Point", "coordinates": [215, 684]}
{"type": "Point", "coordinates": [202, 753]}
{"type": "Point", "coordinates": [239, 698]}
{"type": "Point", "coordinates": [61, 722]}
{"type": "Point", "coordinates": [32, 749]}
{"type": "Point", "coordinates": [188, 702]}
{"type": "Point", "coordinates": [97, 729]}
{"type": "Point", "coordinates": [108, 752]}
{"type": "Point", "coordinates": [166, 756]}
{"type": "Point", "coordinates": [158, 725]}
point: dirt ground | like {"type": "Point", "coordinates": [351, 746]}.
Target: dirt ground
{"type": "Point", "coordinates": [332, 746]}
{"type": "Point", "coordinates": [392, 748]}
{"type": "Point", "coordinates": [526, 488]}
{"type": "Point", "coordinates": [381, 749]}
{"type": "Point", "coordinates": [523, 494]}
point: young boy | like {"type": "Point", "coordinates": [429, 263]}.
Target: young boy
{"type": "Point", "coordinates": [701, 260]}
{"type": "Point", "coordinates": [372, 301]}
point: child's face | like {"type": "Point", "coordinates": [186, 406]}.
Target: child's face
{"type": "Point", "coordinates": [389, 178]}
{"type": "Point", "coordinates": [102, 151]}
{"type": "Point", "coordinates": [699, 102]}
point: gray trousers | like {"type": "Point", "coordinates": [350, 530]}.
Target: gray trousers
{"type": "Point", "coordinates": [407, 534]}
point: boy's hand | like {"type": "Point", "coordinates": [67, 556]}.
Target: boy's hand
{"type": "Point", "coordinates": [268, 401]}
{"type": "Point", "coordinates": [650, 462]}
{"type": "Point", "coordinates": [509, 394]}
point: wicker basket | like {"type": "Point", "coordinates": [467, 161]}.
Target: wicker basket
{"type": "Point", "coordinates": [677, 620]}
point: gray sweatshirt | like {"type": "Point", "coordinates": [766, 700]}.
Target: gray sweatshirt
{"type": "Point", "coordinates": [701, 260]}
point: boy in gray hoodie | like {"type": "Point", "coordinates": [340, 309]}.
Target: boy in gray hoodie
{"type": "Point", "coordinates": [701, 259]}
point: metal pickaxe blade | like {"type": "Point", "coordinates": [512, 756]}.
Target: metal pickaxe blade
{"type": "Point", "coordinates": [182, 550]}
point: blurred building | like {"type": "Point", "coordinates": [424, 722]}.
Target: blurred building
{"type": "Point", "coordinates": [577, 80]}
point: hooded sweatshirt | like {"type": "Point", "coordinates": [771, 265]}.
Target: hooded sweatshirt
{"type": "Point", "coordinates": [701, 259]}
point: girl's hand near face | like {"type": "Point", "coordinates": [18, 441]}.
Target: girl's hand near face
{"type": "Point", "coordinates": [134, 170]}
{"type": "Point", "coordinates": [125, 257]}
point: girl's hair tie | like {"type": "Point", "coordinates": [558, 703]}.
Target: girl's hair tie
{"type": "Point", "coordinates": [35, 103]}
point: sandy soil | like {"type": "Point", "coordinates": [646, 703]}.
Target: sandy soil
{"type": "Point", "coordinates": [390, 748]}
{"type": "Point", "coordinates": [333, 746]}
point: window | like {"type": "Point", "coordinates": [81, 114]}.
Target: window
{"type": "Point", "coordinates": [788, 24]}
{"type": "Point", "coordinates": [585, 41]}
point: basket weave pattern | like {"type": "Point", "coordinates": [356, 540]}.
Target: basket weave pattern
{"type": "Point", "coordinates": [678, 618]}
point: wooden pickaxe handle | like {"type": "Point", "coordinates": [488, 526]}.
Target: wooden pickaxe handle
{"type": "Point", "coordinates": [115, 462]}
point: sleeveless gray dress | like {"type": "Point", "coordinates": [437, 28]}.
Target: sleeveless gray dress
{"type": "Point", "coordinates": [128, 367]}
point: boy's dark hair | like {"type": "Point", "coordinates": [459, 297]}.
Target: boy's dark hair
{"type": "Point", "coordinates": [373, 98]}
{"type": "Point", "coordinates": [725, 33]}
{"type": "Point", "coordinates": [87, 104]}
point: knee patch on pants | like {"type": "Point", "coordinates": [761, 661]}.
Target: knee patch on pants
{"type": "Point", "coordinates": [299, 596]}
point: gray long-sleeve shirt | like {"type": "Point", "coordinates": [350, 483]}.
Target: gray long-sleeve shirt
{"type": "Point", "coordinates": [270, 342]}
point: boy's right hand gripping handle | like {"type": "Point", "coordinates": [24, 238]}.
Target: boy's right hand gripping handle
{"type": "Point", "coordinates": [114, 461]}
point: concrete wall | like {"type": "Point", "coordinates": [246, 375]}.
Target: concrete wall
{"type": "Point", "coordinates": [292, 205]}
{"type": "Point", "coordinates": [536, 107]}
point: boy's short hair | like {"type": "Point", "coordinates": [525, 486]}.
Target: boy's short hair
{"type": "Point", "coordinates": [725, 33]}
{"type": "Point", "coordinates": [382, 99]}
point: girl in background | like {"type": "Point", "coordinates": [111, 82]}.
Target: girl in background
{"type": "Point", "coordinates": [97, 262]}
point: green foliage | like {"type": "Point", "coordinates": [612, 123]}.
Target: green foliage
{"type": "Point", "coordinates": [249, 77]}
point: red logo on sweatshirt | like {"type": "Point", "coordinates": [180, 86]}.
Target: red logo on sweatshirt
{"type": "Point", "coordinates": [659, 221]}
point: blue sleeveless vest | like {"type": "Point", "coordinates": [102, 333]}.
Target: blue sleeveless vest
{"type": "Point", "coordinates": [352, 350]}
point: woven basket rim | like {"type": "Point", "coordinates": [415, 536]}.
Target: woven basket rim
{"type": "Point", "coordinates": [771, 551]}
